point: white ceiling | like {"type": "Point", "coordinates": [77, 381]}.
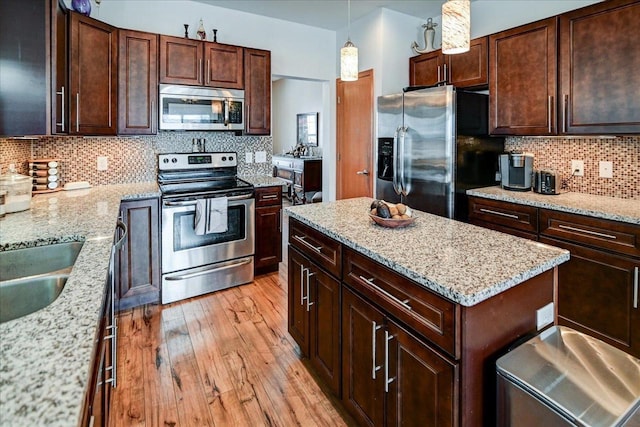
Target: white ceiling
{"type": "Point", "coordinates": [328, 14]}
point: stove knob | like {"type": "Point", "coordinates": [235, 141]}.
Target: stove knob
{"type": "Point", "coordinates": [230, 158]}
{"type": "Point", "coordinates": [165, 160]}
{"type": "Point", "coordinates": [174, 160]}
{"type": "Point", "coordinates": [224, 158]}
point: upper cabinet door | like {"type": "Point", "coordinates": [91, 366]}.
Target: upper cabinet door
{"type": "Point", "coordinates": [426, 69]}
{"type": "Point", "coordinates": [223, 65]}
{"type": "Point", "coordinates": [600, 69]}
{"type": "Point", "coordinates": [469, 69]}
{"type": "Point", "coordinates": [138, 83]}
{"type": "Point", "coordinates": [93, 47]}
{"type": "Point", "coordinates": [522, 80]}
{"type": "Point", "coordinates": [181, 61]}
{"type": "Point", "coordinates": [59, 70]}
{"type": "Point", "coordinates": [257, 84]}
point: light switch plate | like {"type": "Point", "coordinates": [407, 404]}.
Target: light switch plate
{"type": "Point", "coordinates": [248, 157]}
{"type": "Point", "coordinates": [103, 163]}
{"type": "Point", "coordinates": [261, 156]}
{"type": "Point", "coordinates": [606, 169]}
{"type": "Point", "coordinates": [544, 316]}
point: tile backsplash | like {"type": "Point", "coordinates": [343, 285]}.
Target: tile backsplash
{"type": "Point", "coordinates": [130, 159]}
{"type": "Point", "coordinates": [556, 154]}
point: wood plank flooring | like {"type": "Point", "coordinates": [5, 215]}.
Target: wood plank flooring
{"type": "Point", "coordinates": [224, 359]}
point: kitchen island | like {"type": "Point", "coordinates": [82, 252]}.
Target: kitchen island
{"type": "Point", "coordinates": [46, 356]}
{"type": "Point", "coordinates": [422, 311]}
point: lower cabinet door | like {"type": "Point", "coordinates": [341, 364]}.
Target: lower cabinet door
{"type": "Point", "coordinates": [298, 318]}
{"type": "Point", "coordinates": [362, 360]}
{"type": "Point", "coordinates": [324, 311]}
{"type": "Point", "coordinates": [422, 385]}
{"type": "Point", "coordinates": [268, 237]}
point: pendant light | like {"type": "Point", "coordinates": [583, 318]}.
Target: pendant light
{"type": "Point", "coordinates": [456, 26]}
{"type": "Point", "coordinates": [349, 54]}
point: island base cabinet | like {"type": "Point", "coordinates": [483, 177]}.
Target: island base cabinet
{"type": "Point", "coordinates": [314, 316]}
{"type": "Point", "coordinates": [390, 377]}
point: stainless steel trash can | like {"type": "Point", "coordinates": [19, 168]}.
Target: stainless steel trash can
{"type": "Point", "coordinates": [565, 378]}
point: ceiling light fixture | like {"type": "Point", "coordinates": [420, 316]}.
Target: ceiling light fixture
{"type": "Point", "coordinates": [456, 26]}
{"type": "Point", "coordinates": [349, 54]}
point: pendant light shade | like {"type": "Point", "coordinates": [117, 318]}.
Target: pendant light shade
{"type": "Point", "coordinates": [349, 54]}
{"type": "Point", "coordinates": [456, 26]}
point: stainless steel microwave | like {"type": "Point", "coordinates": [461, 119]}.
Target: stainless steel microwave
{"type": "Point", "coordinates": [201, 108]}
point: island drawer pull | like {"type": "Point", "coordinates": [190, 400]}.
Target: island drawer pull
{"type": "Point", "coordinates": [499, 213]}
{"type": "Point", "coordinates": [387, 380]}
{"type": "Point", "coordinates": [404, 303]}
{"type": "Point", "coordinates": [374, 366]}
{"type": "Point", "coordinates": [307, 244]}
{"type": "Point", "coordinates": [302, 297]}
{"type": "Point", "coordinates": [635, 287]}
{"type": "Point", "coordinates": [593, 233]}
{"type": "Point", "coordinates": [309, 302]}
{"type": "Point", "coordinates": [269, 197]}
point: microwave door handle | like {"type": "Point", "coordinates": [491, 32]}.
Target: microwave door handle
{"type": "Point", "coordinates": [227, 104]}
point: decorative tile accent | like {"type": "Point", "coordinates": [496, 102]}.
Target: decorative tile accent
{"type": "Point", "coordinates": [557, 153]}
{"type": "Point", "coordinates": [130, 159]}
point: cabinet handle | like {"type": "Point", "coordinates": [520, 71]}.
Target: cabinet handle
{"type": "Point", "coordinates": [307, 244]}
{"type": "Point", "coordinates": [374, 366]}
{"type": "Point", "coordinates": [153, 116]}
{"type": "Point", "coordinates": [309, 302]}
{"type": "Point", "coordinates": [499, 213]}
{"type": "Point", "coordinates": [635, 287]}
{"type": "Point", "coordinates": [438, 74]}
{"type": "Point", "coordinates": [208, 75]}
{"type": "Point", "coordinates": [404, 303]}
{"type": "Point", "coordinates": [78, 112]}
{"type": "Point", "coordinates": [61, 93]}
{"type": "Point", "coordinates": [564, 113]}
{"type": "Point", "coordinates": [387, 380]}
{"type": "Point", "coordinates": [593, 233]}
{"type": "Point", "coordinates": [269, 197]}
{"type": "Point", "coordinates": [550, 106]}
{"type": "Point", "coordinates": [444, 74]}
{"type": "Point", "coordinates": [302, 297]}
{"type": "Point", "coordinates": [92, 421]}
{"type": "Point", "coordinates": [200, 71]}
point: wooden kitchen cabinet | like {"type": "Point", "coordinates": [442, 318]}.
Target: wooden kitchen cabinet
{"type": "Point", "coordinates": [137, 83]}
{"type": "Point", "coordinates": [599, 75]}
{"type": "Point", "coordinates": [522, 80]}
{"type": "Point", "coordinates": [139, 259]}
{"type": "Point", "coordinates": [200, 63]}
{"type": "Point", "coordinates": [59, 68]}
{"type": "Point", "coordinates": [257, 85]}
{"type": "Point", "coordinates": [465, 70]}
{"type": "Point", "coordinates": [93, 73]}
{"type": "Point", "coordinates": [268, 253]}
{"type": "Point", "coordinates": [510, 218]}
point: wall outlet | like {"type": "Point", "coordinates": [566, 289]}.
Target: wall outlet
{"type": "Point", "coordinates": [577, 167]}
{"type": "Point", "coordinates": [606, 169]}
{"type": "Point", "coordinates": [103, 163]}
{"type": "Point", "coordinates": [248, 157]}
{"type": "Point", "coordinates": [261, 156]}
{"type": "Point", "coordinates": [544, 316]}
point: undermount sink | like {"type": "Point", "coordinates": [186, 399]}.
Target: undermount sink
{"type": "Point", "coordinates": [32, 278]}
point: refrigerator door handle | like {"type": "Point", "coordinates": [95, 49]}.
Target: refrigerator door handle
{"type": "Point", "coordinates": [403, 184]}
{"type": "Point", "coordinates": [396, 162]}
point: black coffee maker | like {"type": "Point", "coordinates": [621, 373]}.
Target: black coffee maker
{"type": "Point", "coordinates": [515, 171]}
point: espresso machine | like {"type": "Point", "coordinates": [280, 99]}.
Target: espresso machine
{"type": "Point", "coordinates": [516, 170]}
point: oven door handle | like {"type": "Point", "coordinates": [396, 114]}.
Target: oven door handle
{"type": "Point", "coordinates": [193, 202]}
{"type": "Point", "coordinates": [213, 270]}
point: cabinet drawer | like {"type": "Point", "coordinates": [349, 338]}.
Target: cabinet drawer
{"type": "Point", "coordinates": [268, 196]}
{"type": "Point", "coordinates": [599, 233]}
{"type": "Point", "coordinates": [321, 249]}
{"type": "Point", "coordinates": [427, 313]}
{"type": "Point", "coordinates": [283, 163]}
{"type": "Point", "coordinates": [504, 214]}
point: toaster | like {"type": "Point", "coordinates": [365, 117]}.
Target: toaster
{"type": "Point", "coordinates": [546, 182]}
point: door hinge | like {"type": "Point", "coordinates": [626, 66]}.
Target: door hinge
{"type": "Point", "coordinates": [338, 100]}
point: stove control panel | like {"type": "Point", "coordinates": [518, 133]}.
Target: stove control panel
{"type": "Point", "coordinates": [190, 161]}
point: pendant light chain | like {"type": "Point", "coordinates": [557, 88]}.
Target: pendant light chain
{"type": "Point", "coordinates": [349, 54]}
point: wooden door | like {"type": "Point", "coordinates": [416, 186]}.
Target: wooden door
{"type": "Point", "coordinates": [137, 83]}
{"type": "Point", "coordinates": [522, 80]}
{"type": "Point", "coordinates": [354, 168]}
{"type": "Point", "coordinates": [224, 65]}
{"type": "Point", "coordinates": [298, 318]}
{"type": "Point", "coordinates": [596, 295]}
{"type": "Point", "coordinates": [362, 360]}
{"type": "Point", "coordinates": [469, 69]}
{"type": "Point", "coordinates": [140, 255]}
{"type": "Point", "coordinates": [181, 61]}
{"type": "Point", "coordinates": [93, 76]}
{"type": "Point", "coordinates": [424, 385]}
{"type": "Point", "coordinates": [427, 69]}
{"type": "Point", "coordinates": [257, 91]}
{"type": "Point", "coordinates": [599, 75]}
{"type": "Point", "coordinates": [325, 328]}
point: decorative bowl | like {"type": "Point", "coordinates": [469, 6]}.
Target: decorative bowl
{"type": "Point", "coordinates": [392, 223]}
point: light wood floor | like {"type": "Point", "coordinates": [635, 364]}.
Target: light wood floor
{"type": "Point", "coordinates": [224, 359]}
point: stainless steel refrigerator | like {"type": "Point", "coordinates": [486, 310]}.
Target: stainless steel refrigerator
{"type": "Point", "coordinates": [432, 146]}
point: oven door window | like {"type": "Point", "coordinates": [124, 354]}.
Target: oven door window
{"type": "Point", "coordinates": [184, 236]}
{"type": "Point", "coordinates": [193, 110]}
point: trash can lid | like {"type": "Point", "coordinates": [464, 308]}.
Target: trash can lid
{"type": "Point", "coordinates": [583, 378]}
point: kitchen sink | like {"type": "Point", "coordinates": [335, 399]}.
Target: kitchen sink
{"type": "Point", "coordinates": [32, 278]}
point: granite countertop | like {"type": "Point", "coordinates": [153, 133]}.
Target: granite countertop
{"type": "Point", "coordinates": [624, 210]}
{"type": "Point", "coordinates": [263, 180]}
{"type": "Point", "coordinates": [462, 262]}
{"type": "Point", "coordinates": [45, 357]}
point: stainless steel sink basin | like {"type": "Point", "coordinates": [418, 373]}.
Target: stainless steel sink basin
{"type": "Point", "coordinates": [32, 278]}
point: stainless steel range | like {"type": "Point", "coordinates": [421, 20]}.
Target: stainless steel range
{"type": "Point", "coordinates": [208, 227]}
